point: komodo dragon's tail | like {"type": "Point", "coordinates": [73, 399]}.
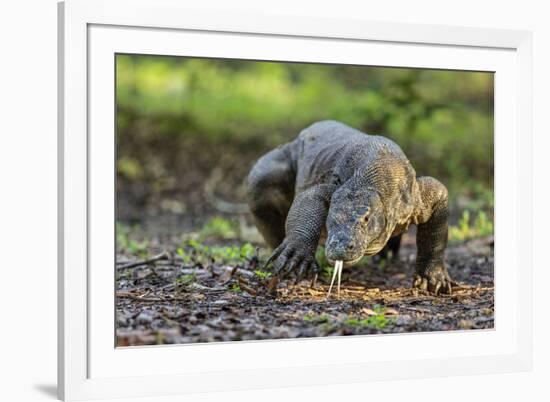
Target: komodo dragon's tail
{"type": "Point", "coordinates": [221, 205]}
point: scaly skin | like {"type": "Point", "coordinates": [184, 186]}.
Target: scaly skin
{"type": "Point", "coordinates": [352, 191]}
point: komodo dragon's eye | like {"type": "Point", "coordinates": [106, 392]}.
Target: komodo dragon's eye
{"type": "Point", "coordinates": [366, 216]}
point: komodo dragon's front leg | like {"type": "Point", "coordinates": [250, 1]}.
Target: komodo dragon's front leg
{"type": "Point", "coordinates": [304, 224]}
{"type": "Point", "coordinates": [431, 238]}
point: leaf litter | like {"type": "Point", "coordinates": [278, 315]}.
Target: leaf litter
{"type": "Point", "coordinates": [171, 299]}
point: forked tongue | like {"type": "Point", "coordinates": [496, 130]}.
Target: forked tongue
{"type": "Point", "coordinates": [337, 271]}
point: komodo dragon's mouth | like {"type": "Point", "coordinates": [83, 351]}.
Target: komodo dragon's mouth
{"type": "Point", "coordinates": [346, 263]}
{"type": "Point", "coordinates": [367, 253]}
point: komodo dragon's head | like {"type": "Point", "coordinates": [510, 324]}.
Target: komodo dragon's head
{"type": "Point", "coordinates": [357, 223]}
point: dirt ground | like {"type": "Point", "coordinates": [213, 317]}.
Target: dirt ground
{"type": "Point", "coordinates": [165, 300]}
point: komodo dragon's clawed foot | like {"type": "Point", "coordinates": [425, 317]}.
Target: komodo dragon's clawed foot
{"type": "Point", "coordinates": [435, 280]}
{"type": "Point", "coordinates": [291, 258]}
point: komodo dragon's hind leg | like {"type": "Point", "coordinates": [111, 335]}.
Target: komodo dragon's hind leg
{"type": "Point", "coordinates": [393, 245]}
{"type": "Point", "coordinates": [270, 193]}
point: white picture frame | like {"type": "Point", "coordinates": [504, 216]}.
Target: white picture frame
{"type": "Point", "coordinates": [91, 32]}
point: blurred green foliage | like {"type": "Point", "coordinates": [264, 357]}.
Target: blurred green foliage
{"type": "Point", "coordinates": [193, 251]}
{"type": "Point", "coordinates": [317, 319]}
{"type": "Point", "coordinates": [443, 120]}
{"type": "Point", "coordinates": [219, 227]}
{"type": "Point", "coordinates": [468, 228]}
{"type": "Point", "coordinates": [125, 243]}
{"type": "Point", "coordinates": [378, 321]}
{"type": "Point", "coordinates": [263, 274]}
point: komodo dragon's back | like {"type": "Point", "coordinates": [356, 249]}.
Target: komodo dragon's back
{"type": "Point", "coordinates": [330, 148]}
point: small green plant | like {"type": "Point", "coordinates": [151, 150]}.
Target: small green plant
{"type": "Point", "coordinates": [321, 257]}
{"type": "Point", "coordinates": [184, 256]}
{"type": "Point", "coordinates": [466, 229]}
{"type": "Point", "coordinates": [126, 244]}
{"type": "Point", "coordinates": [185, 279]}
{"type": "Point", "coordinates": [328, 271]}
{"type": "Point", "coordinates": [129, 168]}
{"type": "Point", "coordinates": [262, 274]}
{"type": "Point", "coordinates": [193, 250]}
{"type": "Point", "coordinates": [218, 227]}
{"type": "Point", "coordinates": [321, 319]}
{"type": "Point", "coordinates": [122, 232]}
{"type": "Point", "coordinates": [232, 253]}
{"type": "Point", "coordinates": [247, 250]}
{"type": "Point", "coordinates": [377, 321]}
{"type": "Point", "coordinates": [139, 248]}
{"type": "Point", "coordinates": [235, 288]}
{"type": "Point", "coordinates": [483, 225]}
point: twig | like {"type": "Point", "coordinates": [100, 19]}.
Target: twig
{"type": "Point", "coordinates": [150, 299]}
{"type": "Point", "coordinates": [241, 271]}
{"type": "Point", "coordinates": [211, 183]}
{"type": "Point", "coordinates": [127, 295]}
{"type": "Point", "coordinates": [272, 285]}
{"type": "Point", "coordinates": [162, 256]}
{"type": "Point", "coordinates": [243, 284]}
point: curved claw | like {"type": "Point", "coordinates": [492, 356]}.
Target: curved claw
{"type": "Point", "coordinates": [275, 254]}
{"type": "Point", "coordinates": [436, 281]}
{"type": "Point", "coordinates": [424, 284]}
{"type": "Point", "coordinates": [281, 262]}
{"type": "Point", "coordinates": [437, 287]}
{"type": "Point", "coordinates": [313, 270]}
{"type": "Point", "coordinates": [417, 280]}
{"type": "Point", "coordinates": [288, 266]}
{"type": "Point", "coordinates": [302, 270]}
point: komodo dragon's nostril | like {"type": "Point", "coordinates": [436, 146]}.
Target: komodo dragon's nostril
{"type": "Point", "coordinates": [350, 247]}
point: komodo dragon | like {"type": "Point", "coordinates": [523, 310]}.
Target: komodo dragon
{"type": "Point", "coordinates": [352, 191]}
